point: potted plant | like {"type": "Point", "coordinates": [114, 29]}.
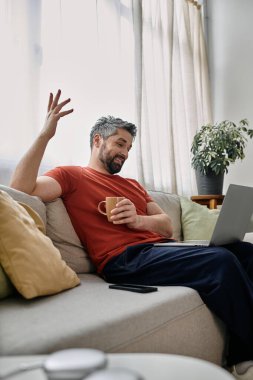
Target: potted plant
{"type": "Point", "coordinates": [214, 148]}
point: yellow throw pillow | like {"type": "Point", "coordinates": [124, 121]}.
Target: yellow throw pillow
{"type": "Point", "coordinates": [35, 216]}
{"type": "Point", "coordinates": [6, 287]}
{"type": "Point", "coordinates": [28, 257]}
{"type": "Point", "coordinates": [198, 221]}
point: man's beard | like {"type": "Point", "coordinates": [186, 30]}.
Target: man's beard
{"type": "Point", "coordinates": [108, 161]}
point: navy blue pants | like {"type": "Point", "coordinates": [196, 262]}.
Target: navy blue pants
{"type": "Point", "coordinates": [223, 277]}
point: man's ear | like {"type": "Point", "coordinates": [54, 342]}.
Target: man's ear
{"type": "Point", "coordinates": [97, 140]}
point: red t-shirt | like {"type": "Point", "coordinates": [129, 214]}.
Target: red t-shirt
{"type": "Point", "coordinates": [82, 190]}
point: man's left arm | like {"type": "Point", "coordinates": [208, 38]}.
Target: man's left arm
{"type": "Point", "coordinates": [156, 219]}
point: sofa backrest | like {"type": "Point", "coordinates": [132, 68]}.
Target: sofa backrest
{"type": "Point", "coordinates": [170, 203]}
{"type": "Point", "coordinates": [34, 202]}
{"type": "Point", "coordinates": [60, 230]}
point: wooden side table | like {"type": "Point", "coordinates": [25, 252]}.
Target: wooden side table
{"type": "Point", "coordinates": [210, 200]}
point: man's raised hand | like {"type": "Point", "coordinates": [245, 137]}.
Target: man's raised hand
{"type": "Point", "coordinates": [54, 113]}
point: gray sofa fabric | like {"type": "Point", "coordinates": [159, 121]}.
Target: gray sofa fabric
{"type": "Point", "coordinates": [34, 202]}
{"type": "Point", "coordinates": [172, 320]}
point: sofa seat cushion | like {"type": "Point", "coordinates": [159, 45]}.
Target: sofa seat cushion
{"type": "Point", "coordinates": [174, 320]}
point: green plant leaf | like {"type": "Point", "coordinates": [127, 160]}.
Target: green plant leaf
{"type": "Point", "coordinates": [215, 147]}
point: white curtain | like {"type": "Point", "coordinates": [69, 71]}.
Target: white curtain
{"type": "Point", "coordinates": [19, 77]}
{"type": "Point", "coordinates": [173, 96]}
{"type": "Point", "coordinates": [88, 52]}
{"type": "Point", "coordinates": [85, 48]}
{"type": "Point", "coordinates": [141, 60]}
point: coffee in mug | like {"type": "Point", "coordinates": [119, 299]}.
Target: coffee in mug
{"type": "Point", "coordinates": [109, 205]}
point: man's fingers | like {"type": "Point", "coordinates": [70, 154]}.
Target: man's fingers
{"type": "Point", "coordinates": [64, 113]}
{"type": "Point", "coordinates": [56, 99]}
{"type": "Point", "coordinates": [122, 216]}
{"type": "Point", "coordinates": [125, 207]}
{"type": "Point", "coordinates": [126, 220]}
{"type": "Point", "coordinates": [60, 105]}
{"type": "Point", "coordinates": [50, 102]}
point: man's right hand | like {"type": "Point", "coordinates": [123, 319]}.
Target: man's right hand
{"type": "Point", "coordinates": [25, 176]}
{"type": "Point", "coordinates": [54, 114]}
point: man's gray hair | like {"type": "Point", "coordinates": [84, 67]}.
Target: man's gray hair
{"type": "Point", "coordinates": [107, 126]}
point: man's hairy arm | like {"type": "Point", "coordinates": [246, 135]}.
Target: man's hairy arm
{"type": "Point", "coordinates": [156, 219]}
{"type": "Point", "coordinates": [25, 176]}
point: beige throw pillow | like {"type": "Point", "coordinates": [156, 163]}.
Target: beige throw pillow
{"type": "Point", "coordinates": [62, 233]}
{"type": "Point", "coordinates": [27, 256]}
{"type": "Point", "coordinates": [198, 221]}
{"type": "Point", "coordinates": [35, 216]}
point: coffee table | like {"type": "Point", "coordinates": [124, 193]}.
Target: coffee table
{"type": "Point", "coordinates": [150, 366]}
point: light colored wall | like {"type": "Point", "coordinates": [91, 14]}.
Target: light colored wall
{"type": "Point", "coordinates": [230, 52]}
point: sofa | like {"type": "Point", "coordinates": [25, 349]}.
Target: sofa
{"type": "Point", "coordinates": [173, 320]}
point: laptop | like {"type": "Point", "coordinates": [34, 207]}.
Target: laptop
{"type": "Point", "coordinates": [232, 222]}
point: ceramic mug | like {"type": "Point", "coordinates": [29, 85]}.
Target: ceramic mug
{"type": "Point", "coordinates": [109, 205]}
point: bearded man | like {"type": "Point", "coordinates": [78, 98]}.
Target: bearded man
{"type": "Point", "coordinates": [123, 250]}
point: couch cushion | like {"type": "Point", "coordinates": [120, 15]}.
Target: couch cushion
{"type": "Point", "coordinates": [92, 315]}
{"type": "Point", "coordinates": [6, 287]}
{"type": "Point", "coordinates": [27, 256]}
{"type": "Point", "coordinates": [170, 204]}
{"type": "Point", "coordinates": [64, 237]}
{"type": "Point", "coordinates": [35, 216]}
{"type": "Point", "coordinates": [198, 221]}
{"type": "Point", "coordinates": [34, 202]}
{"type": "Point", "coordinates": [58, 227]}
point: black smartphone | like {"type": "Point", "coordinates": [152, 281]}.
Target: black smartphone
{"type": "Point", "coordinates": [134, 288]}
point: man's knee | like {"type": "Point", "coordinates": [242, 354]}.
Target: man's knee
{"type": "Point", "coordinates": [223, 259]}
{"type": "Point", "coordinates": [226, 269]}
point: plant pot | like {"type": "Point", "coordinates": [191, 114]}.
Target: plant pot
{"type": "Point", "coordinates": [209, 183]}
